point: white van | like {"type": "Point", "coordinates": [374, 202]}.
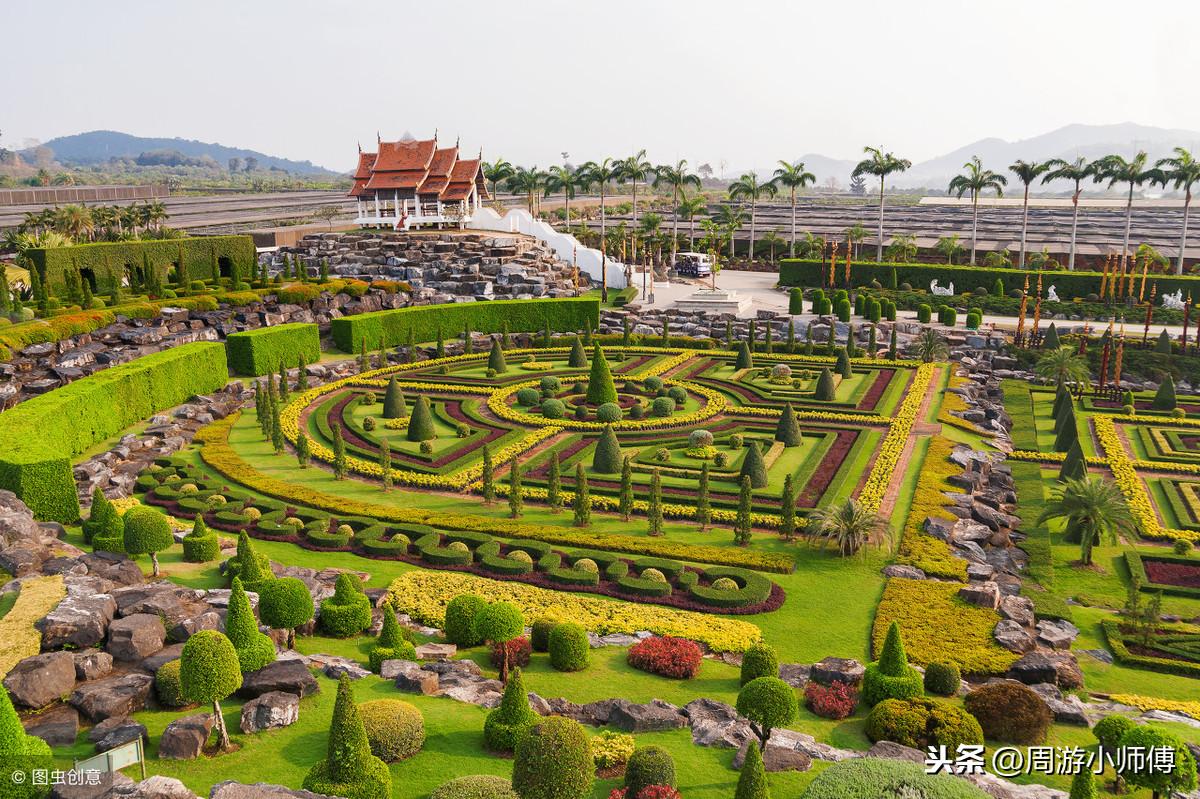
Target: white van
{"type": "Point", "coordinates": [693, 264]}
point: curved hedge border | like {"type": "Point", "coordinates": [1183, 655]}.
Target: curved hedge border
{"type": "Point", "coordinates": [425, 322]}
{"type": "Point", "coordinates": [39, 436]}
{"type": "Point", "coordinates": [260, 352]}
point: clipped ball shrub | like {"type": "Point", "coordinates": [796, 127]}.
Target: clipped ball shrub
{"type": "Point", "coordinates": [653, 575]}
{"type": "Point", "coordinates": [528, 397]}
{"type": "Point", "coordinates": [942, 679]}
{"type": "Point", "coordinates": [168, 685]}
{"type": "Point", "coordinates": [569, 648]}
{"type": "Point", "coordinates": [587, 565]}
{"type": "Point", "coordinates": [677, 393]}
{"type": "Point", "coordinates": [700, 438]}
{"type": "Point", "coordinates": [348, 611]}
{"type": "Point", "coordinates": [608, 413]}
{"type": "Point", "coordinates": [539, 637]}
{"type": "Point", "coordinates": [872, 778]}
{"type": "Point", "coordinates": [725, 584]}
{"type": "Point", "coordinates": [648, 765]}
{"type": "Point", "coordinates": [553, 760]}
{"type": "Point", "coordinates": [1010, 712]}
{"type": "Point", "coordinates": [550, 384]}
{"type": "Point", "coordinates": [759, 660]}
{"type": "Point", "coordinates": [553, 408]}
{"type": "Point", "coordinates": [395, 728]}
{"type": "Point", "coordinates": [922, 722]}
{"type": "Point", "coordinates": [461, 613]}
{"type": "Point", "coordinates": [662, 407]}
{"type": "Point", "coordinates": [475, 786]}
{"type": "Point", "coordinates": [652, 384]}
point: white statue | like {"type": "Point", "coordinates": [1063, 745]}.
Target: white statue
{"type": "Point", "coordinates": [1052, 295]}
{"type": "Point", "coordinates": [1173, 301]}
{"type": "Point", "coordinates": [938, 291]}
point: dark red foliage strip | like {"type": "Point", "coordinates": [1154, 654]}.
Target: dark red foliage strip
{"type": "Point", "coordinates": [1185, 575]}
{"type": "Point", "coordinates": [835, 701]}
{"type": "Point", "coordinates": [667, 656]}
{"type": "Point", "coordinates": [871, 398]}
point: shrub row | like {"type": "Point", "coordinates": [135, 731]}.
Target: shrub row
{"type": "Point", "coordinates": [260, 352]}
{"type": "Point", "coordinates": [1137, 572]}
{"type": "Point", "coordinates": [1116, 642]}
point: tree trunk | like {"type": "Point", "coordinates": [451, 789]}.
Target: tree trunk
{"type": "Point", "coordinates": [222, 733]}
{"type": "Point", "coordinates": [879, 247]}
{"type": "Point", "coordinates": [1074, 227]}
{"type": "Point", "coordinates": [154, 560]}
{"type": "Point", "coordinates": [792, 249]}
{"type": "Point", "coordinates": [291, 638]}
{"type": "Point", "coordinates": [633, 254]}
{"type": "Point", "coordinates": [1024, 226]}
{"type": "Point", "coordinates": [1128, 221]}
{"type": "Point", "coordinates": [674, 226]}
{"type": "Point", "coordinates": [1187, 206]}
{"type": "Point", "coordinates": [974, 223]}
{"type": "Point", "coordinates": [753, 213]}
{"type": "Point", "coordinates": [603, 250]}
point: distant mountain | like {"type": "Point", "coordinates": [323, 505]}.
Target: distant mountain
{"type": "Point", "coordinates": [98, 146]}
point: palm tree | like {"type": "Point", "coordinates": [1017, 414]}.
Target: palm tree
{"type": "Point", "coordinates": [1026, 172]}
{"type": "Point", "coordinates": [1116, 169]}
{"type": "Point", "coordinates": [600, 175]}
{"type": "Point", "coordinates": [811, 246]}
{"type": "Point", "coordinates": [903, 248]}
{"type": "Point", "coordinates": [529, 182]}
{"type": "Point", "coordinates": [854, 237]}
{"type": "Point", "coordinates": [948, 247]}
{"type": "Point", "coordinates": [561, 178]}
{"type": "Point", "coordinates": [793, 176]}
{"type": "Point", "coordinates": [1182, 170]}
{"type": "Point", "coordinates": [976, 180]}
{"type": "Point", "coordinates": [1063, 366]}
{"type": "Point", "coordinates": [731, 217]}
{"type": "Point", "coordinates": [770, 241]}
{"type": "Point", "coordinates": [713, 242]}
{"type": "Point", "coordinates": [1093, 508]}
{"type": "Point", "coordinates": [156, 214]}
{"type": "Point", "coordinates": [747, 187]}
{"type": "Point", "coordinates": [649, 228]}
{"type": "Point", "coordinates": [1077, 171]}
{"type": "Point", "coordinates": [880, 164]}
{"type": "Point", "coordinates": [635, 169]}
{"type": "Point", "coordinates": [678, 178]}
{"type": "Point", "coordinates": [74, 221]}
{"type": "Point", "coordinates": [930, 346]}
{"type": "Point", "coordinates": [497, 171]}
{"type": "Point", "coordinates": [848, 525]}
{"type": "Point", "coordinates": [688, 208]}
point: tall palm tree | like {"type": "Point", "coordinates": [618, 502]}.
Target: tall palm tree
{"type": "Point", "coordinates": [688, 208]}
{"type": "Point", "coordinates": [1076, 171]}
{"type": "Point", "coordinates": [854, 237]}
{"type": "Point", "coordinates": [1093, 508]}
{"type": "Point", "coordinates": [600, 175]}
{"type": "Point", "coordinates": [793, 176]}
{"type": "Point", "coordinates": [811, 246]}
{"type": "Point", "coordinates": [562, 178]}
{"type": "Point", "coordinates": [497, 171]}
{"type": "Point", "coordinates": [74, 221]}
{"type": "Point", "coordinates": [771, 241]}
{"type": "Point", "coordinates": [1116, 169]}
{"type": "Point", "coordinates": [156, 214]}
{"type": "Point", "coordinates": [679, 178]}
{"type": "Point", "coordinates": [635, 169]}
{"type": "Point", "coordinates": [529, 182]}
{"type": "Point", "coordinates": [648, 229]}
{"type": "Point", "coordinates": [1026, 172]}
{"type": "Point", "coordinates": [976, 180]}
{"type": "Point", "coordinates": [731, 218]}
{"type": "Point", "coordinates": [848, 525]}
{"type": "Point", "coordinates": [879, 164]}
{"type": "Point", "coordinates": [930, 346]}
{"type": "Point", "coordinates": [1063, 366]}
{"type": "Point", "coordinates": [1182, 170]}
{"type": "Point", "coordinates": [747, 187]}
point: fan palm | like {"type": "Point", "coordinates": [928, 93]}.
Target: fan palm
{"type": "Point", "coordinates": [930, 346]}
{"type": "Point", "coordinates": [74, 221]}
{"type": "Point", "coordinates": [497, 171]}
{"type": "Point", "coordinates": [879, 164]}
{"type": "Point", "coordinates": [811, 246]}
{"type": "Point", "coordinates": [1026, 172]}
{"type": "Point", "coordinates": [903, 248]}
{"type": "Point", "coordinates": [649, 228]}
{"type": "Point", "coordinates": [948, 247]}
{"type": "Point", "coordinates": [1116, 169]}
{"type": "Point", "coordinates": [678, 177]}
{"type": "Point", "coordinates": [976, 180]}
{"type": "Point", "coordinates": [1093, 508]}
{"type": "Point", "coordinates": [747, 187]}
{"type": "Point", "coordinates": [635, 169]}
{"type": "Point", "coordinates": [1182, 170]}
{"type": "Point", "coordinates": [731, 218]}
{"type": "Point", "coordinates": [1063, 366]}
{"type": "Point", "coordinates": [688, 208]}
{"type": "Point", "coordinates": [563, 179]}
{"type": "Point", "coordinates": [156, 214]}
{"type": "Point", "coordinates": [771, 241]}
{"type": "Point", "coordinates": [848, 525]}
{"type": "Point", "coordinates": [793, 176]}
{"type": "Point", "coordinates": [1076, 171]}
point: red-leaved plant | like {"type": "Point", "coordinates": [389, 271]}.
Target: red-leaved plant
{"type": "Point", "coordinates": [649, 792]}
{"type": "Point", "coordinates": [836, 701]}
{"type": "Point", "coordinates": [667, 656]}
{"type": "Point", "coordinates": [519, 650]}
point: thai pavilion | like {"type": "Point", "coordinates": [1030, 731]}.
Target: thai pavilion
{"type": "Point", "coordinates": [409, 183]}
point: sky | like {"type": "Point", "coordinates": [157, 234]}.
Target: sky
{"type": "Point", "coordinates": [743, 83]}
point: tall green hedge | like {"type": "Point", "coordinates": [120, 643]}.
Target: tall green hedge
{"type": "Point", "coordinates": [109, 260]}
{"type": "Point", "coordinates": [259, 352]}
{"type": "Point", "coordinates": [39, 436]}
{"type": "Point", "coordinates": [568, 315]}
{"type": "Point", "coordinates": [1068, 285]}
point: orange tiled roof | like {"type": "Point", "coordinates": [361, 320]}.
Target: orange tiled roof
{"type": "Point", "coordinates": [401, 156]}
{"type": "Point", "coordinates": [419, 166]}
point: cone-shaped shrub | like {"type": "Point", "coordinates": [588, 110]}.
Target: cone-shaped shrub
{"type": "Point", "coordinates": [394, 406]}
{"type": "Point", "coordinates": [461, 613]}
{"type": "Point", "coordinates": [201, 545]}
{"type": "Point", "coordinates": [1068, 433]}
{"type": "Point", "coordinates": [349, 769]}
{"type": "Point", "coordinates": [392, 644]}
{"type": "Point", "coordinates": [825, 387]}
{"type": "Point", "coordinates": [553, 760]}
{"type": "Point", "coordinates": [254, 649]}
{"type": "Point", "coordinates": [1083, 786]}
{"type": "Point", "coordinates": [285, 604]}
{"type": "Point", "coordinates": [496, 358]}
{"type": "Point", "coordinates": [512, 719]}
{"type": "Point", "coordinates": [1164, 398]}
{"type": "Point", "coordinates": [1050, 341]}
{"type": "Point", "coordinates": [1062, 399]}
{"type": "Point", "coordinates": [1163, 344]}
{"type": "Point", "coordinates": [891, 677]}
{"type": "Point", "coordinates": [253, 568]}
{"type": "Point", "coordinates": [1074, 467]}
{"type": "Point", "coordinates": [420, 426]}
{"type": "Point", "coordinates": [578, 358]}
{"type": "Point", "coordinates": [843, 364]}
{"type": "Point", "coordinates": [754, 467]}
{"type": "Point", "coordinates": [744, 359]}
{"type": "Point", "coordinates": [600, 383]}
{"type": "Point", "coordinates": [607, 457]}
{"type": "Point", "coordinates": [348, 611]}
{"type": "Point", "coordinates": [788, 429]}
{"type": "Point", "coordinates": [752, 781]}
{"type": "Point", "coordinates": [103, 520]}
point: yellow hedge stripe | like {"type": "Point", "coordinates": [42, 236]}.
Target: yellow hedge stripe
{"type": "Point", "coordinates": [19, 639]}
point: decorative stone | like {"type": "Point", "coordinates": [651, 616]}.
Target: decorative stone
{"type": "Point", "coordinates": [779, 755]}
{"type": "Point", "coordinates": [155, 787]}
{"type": "Point", "coordinates": [259, 790]}
{"type": "Point", "coordinates": [291, 676]}
{"type": "Point", "coordinates": [80, 621]}
{"type": "Point", "coordinates": [270, 711]}
{"type": "Point", "coordinates": [92, 664]}
{"type": "Point", "coordinates": [891, 750]}
{"type": "Point", "coordinates": [715, 723]}
{"type": "Point", "coordinates": [112, 696]}
{"type": "Point", "coordinates": [58, 726]}
{"type": "Point", "coordinates": [1014, 637]}
{"type": "Point", "coordinates": [985, 595]}
{"type": "Point", "coordinates": [1057, 634]}
{"type": "Point", "coordinates": [1018, 609]}
{"type": "Point", "coordinates": [39, 680]}
{"type": "Point", "coordinates": [436, 651]}
{"type": "Point", "coordinates": [900, 570]}
{"type": "Point", "coordinates": [831, 669]}
{"type": "Point", "coordinates": [410, 677]}
{"type": "Point", "coordinates": [653, 716]}
{"type": "Point", "coordinates": [1033, 668]}
{"type": "Point", "coordinates": [135, 637]}
{"type": "Point", "coordinates": [795, 674]}
{"type": "Point", "coordinates": [184, 738]}
{"type": "Point", "coordinates": [113, 732]}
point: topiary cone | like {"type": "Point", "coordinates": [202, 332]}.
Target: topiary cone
{"type": "Point", "coordinates": [578, 358]}
{"type": "Point", "coordinates": [607, 457]}
{"type": "Point", "coordinates": [1164, 398]}
{"type": "Point", "coordinates": [825, 388]}
{"type": "Point", "coordinates": [788, 429]}
{"type": "Point", "coordinates": [600, 382]}
{"type": "Point", "coordinates": [892, 660]}
{"type": "Point", "coordinates": [420, 426]}
{"type": "Point", "coordinates": [496, 358]}
{"type": "Point", "coordinates": [745, 359]}
{"type": "Point", "coordinates": [754, 467]}
{"type": "Point", "coordinates": [1074, 466]}
{"type": "Point", "coordinates": [752, 781]}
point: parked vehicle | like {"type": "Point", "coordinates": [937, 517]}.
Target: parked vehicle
{"type": "Point", "coordinates": [693, 264]}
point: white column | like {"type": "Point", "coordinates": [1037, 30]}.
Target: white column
{"type": "Point", "coordinates": [376, 205]}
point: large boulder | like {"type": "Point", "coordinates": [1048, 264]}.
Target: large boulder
{"type": "Point", "coordinates": [1018, 609]}
{"type": "Point", "coordinates": [1057, 634]}
{"type": "Point", "coordinates": [118, 569]}
{"type": "Point", "coordinates": [985, 594]}
{"type": "Point", "coordinates": [1014, 637]}
{"type": "Point", "coordinates": [135, 637]}
{"type": "Point", "coordinates": [654, 716]}
{"type": "Point", "coordinates": [112, 696]}
{"type": "Point", "coordinates": [1034, 668]}
{"type": "Point", "coordinates": [39, 680]}
{"type": "Point", "coordinates": [780, 754]}
{"type": "Point", "coordinates": [184, 738]}
{"type": "Point", "coordinates": [162, 657]}
{"type": "Point", "coordinates": [844, 670]}
{"type": "Point", "coordinates": [156, 787]}
{"type": "Point", "coordinates": [16, 520]}
{"type": "Point", "coordinates": [410, 677]}
{"type": "Point", "coordinates": [715, 723]}
{"type": "Point", "coordinates": [270, 711]}
{"type": "Point", "coordinates": [58, 726]}
{"type": "Point", "coordinates": [115, 731]}
{"type": "Point", "coordinates": [290, 676]}
{"type": "Point", "coordinates": [75, 786]}
{"type": "Point", "coordinates": [81, 620]}
{"type": "Point", "coordinates": [22, 560]}
{"type": "Point", "coordinates": [92, 664]}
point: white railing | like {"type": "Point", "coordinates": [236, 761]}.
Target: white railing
{"type": "Point", "coordinates": [564, 245]}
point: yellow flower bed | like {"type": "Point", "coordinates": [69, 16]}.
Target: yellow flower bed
{"type": "Point", "coordinates": [888, 457]}
{"type": "Point", "coordinates": [815, 416]}
{"type": "Point", "coordinates": [1144, 703]}
{"type": "Point", "coordinates": [19, 639]}
{"type": "Point", "coordinates": [537, 366]}
{"type": "Point", "coordinates": [917, 548]}
{"type": "Point", "coordinates": [714, 404]}
{"type": "Point", "coordinates": [423, 595]}
{"type": "Point", "coordinates": [938, 627]}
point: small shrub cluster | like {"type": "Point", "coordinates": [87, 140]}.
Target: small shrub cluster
{"type": "Point", "coordinates": [611, 749]}
{"type": "Point", "coordinates": [834, 701]}
{"type": "Point", "coordinates": [395, 728]}
{"type": "Point", "coordinates": [1010, 711]}
{"type": "Point", "coordinates": [348, 611]}
{"type": "Point", "coordinates": [922, 722]}
{"type": "Point", "coordinates": [666, 656]}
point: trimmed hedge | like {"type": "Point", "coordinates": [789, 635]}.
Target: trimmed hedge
{"type": "Point", "coordinates": [260, 352]}
{"type": "Point", "coordinates": [108, 260]}
{"type": "Point", "coordinates": [1116, 642]}
{"type": "Point", "coordinates": [1137, 571]}
{"type": "Point", "coordinates": [39, 436]}
{"type": "Point", "coordinates": [392, 328]}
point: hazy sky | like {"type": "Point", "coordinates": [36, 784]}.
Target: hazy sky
{"type": "Point", "coordinates": [743, 82]}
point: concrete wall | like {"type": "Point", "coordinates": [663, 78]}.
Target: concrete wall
{"type": "Point", "coordinates": [565, 245]}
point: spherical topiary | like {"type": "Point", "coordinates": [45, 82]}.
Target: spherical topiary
{"type": "Point", "coordinates": [460, 620]}
{"type": "Point", "coordinates": [369, 423]}
{"type": "Point", "coordinates": [553, 408]}
{"type": "Point", "coordinates": [294, 522]}
{"type": "Point", "coordinates": [168, 686]}
{"type": "Point", "coordinates": [395, 728]}
{"type": "Point", "coordinates": [586, 565]}
{"type": "Point", "coordinates": [653, 575]}
{"type": "Point", "coordinates": [781, 371]}
{"type": "Point", "coordinates": [637, 411]}
{"type": "Point", "coordinates": [652, 384]}
{"type": "Point", "coordinates": [285, 604]}
{"type": "Point", "coordinates": [500, 622]}
{"type": "Point", "coordinates": [662, 455]}
{"type": "Point", "coordinates": [1160, 781]}
{"type": "Point", "coordinates": [608, 413]}
{"type": "Point", "coordinates": [217, 500]}
{"type": "Point", "coordinates": [922, 722]}
{"type": "Point", "coordinates": [677, 393]}
{"type": "Point", "coordinates": [569, 647]}
{"type": "Point", "coordinates": [476, 786]}
{"type": "Point", "coordinates": [1010, 712]}
{"type": "Point", "coordinates": [553, 760]}
{"type": "Point", "coordinates": [1182, 546]}
{"type": "Point", "coordinates": [550, 384]}
{"type": "Point", "coordinates": [346, 530]}
{"type": "Point", "coordinates": [648, 765]}
{"type": "Point", "coordinates": [252, 513]}
{"type": "Point", "coordinates": [736, 441]}
{"type": "Point", "coordinates": [768, 702]}
{"type": "Point", "coordinates": [1110, 729]}
{"type": "Point", "coordinates": [147, 532]}
{"type": "Point", "coordinates": [348, 611]}
{"type": "Point", "coordinates": [725, 584]}
{"type": "Point", "coordinates": [700, 438]}
{"type": "Point", "coordinates": [511, 719]}
{"type": "Point", "coordinates": [942, 679]}
{"type": "Point", "coordinates": [721, 460]}
{"type": "Point", "coordinates": [188, 488]}
{"type": "Point", "coordinates": [209, 672]}
{"type": "Point", "coordinates": [539, 636]}
{"type": "Point", "coordinates": [521, 555]}
{"type": "Point", "coordinates": [426, 447]}
{"type": "Point", "coordinates": [662, 407]}
{"type": "Point", "coordinates": [528, 397]}
{"type": "Point", "coordinates": [458, 546]}
{"type": "Point", "coordinates": [759, 660]}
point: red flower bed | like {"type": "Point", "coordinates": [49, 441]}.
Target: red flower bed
{"type": "Point", "coordinates": [1185, 575]}
{"type": "Point", "coordinates": [666, 656]}
{"type": "Point", "coordinates": [519, 650]}
{"type": "Point", "coordinates": [835, 701]}
{"type": "Point", "coordinates": [649, 792]}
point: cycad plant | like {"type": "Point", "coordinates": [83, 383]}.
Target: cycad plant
{"type": "Point", "coordinates": [1093, 509]}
